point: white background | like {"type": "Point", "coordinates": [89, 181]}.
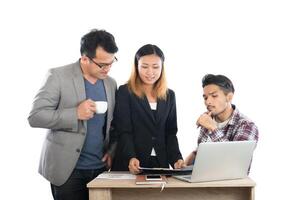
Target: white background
{"type": "Point", "coordinates": [255, 43]}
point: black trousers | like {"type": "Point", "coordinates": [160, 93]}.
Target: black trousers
{"type": "Point", "coordinates": [75, 187]}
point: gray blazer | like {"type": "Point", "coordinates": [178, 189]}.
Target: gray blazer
{"type": "Point", "coordinates": [55, 108]}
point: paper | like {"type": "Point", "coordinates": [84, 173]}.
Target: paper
{"type": "Point", "coordinates": [116, 175]}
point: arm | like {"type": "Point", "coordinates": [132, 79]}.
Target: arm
{"type": "Point", "coordinates": [189, 160]}
{"type": "Point", "coordinates": [45, 112]}
{"type": "Point", "coordinates": [173, 152]}
{"type": "Point", "coordinates": [121, 126]}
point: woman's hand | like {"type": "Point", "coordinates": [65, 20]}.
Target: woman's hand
{"type": "Point", "coordinates": [134, 165]}
{"type": "Point", "coordinates": [179, 164]}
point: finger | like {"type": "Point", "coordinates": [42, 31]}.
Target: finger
{"type": "Point", "coordinates": [136, 171]}
{"type": "Point", "coordinates": [176, 165]}
{"type": "Point", "coordinates": [109, 162]}
{"type": "Point", "coordinates": [131, 171]}
{"type": "Point", "coordinates": [92, 104]}
{"type": "Point", "coordinates": [135, 168]}
{"type": "Point", "coordinates": [91, 115]}
{"type": "Point", "coordinates": [137, 164]}
{"type": "Point", "coordinates": [93, 109]}
{"type": "Point", "coordinates": [104, 158]}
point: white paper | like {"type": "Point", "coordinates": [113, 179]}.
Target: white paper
{"type": "Point", "coordinates": [116, 175]}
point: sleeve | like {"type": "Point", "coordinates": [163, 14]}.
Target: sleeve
{"type": "Point", "coordinates": [45, 112]}
{"type": "Point", "coordinates": [245, 131]}
{"type": "Point", "coordinates": [173, 152]}
{"type": "Point", "coordinates": [121, 133]}
{"type": "Point", "coordinates": [217, 136]}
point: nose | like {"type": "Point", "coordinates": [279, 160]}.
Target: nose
{"type": "Point", "coordinates": [149, 71]}
{"type": "Point", "coordinates": [106, 68]}
{"type": "Point", "coordinates": [208, 101]}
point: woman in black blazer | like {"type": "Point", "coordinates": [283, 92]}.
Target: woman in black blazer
{"type": "Point", "coordinates": [145, 123]}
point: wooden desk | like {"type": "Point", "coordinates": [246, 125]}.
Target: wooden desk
{"type": "Point", "coordinates": [240, 189]}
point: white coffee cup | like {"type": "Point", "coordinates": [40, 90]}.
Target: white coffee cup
{"type": "Point", "coordinates": [101, 106]}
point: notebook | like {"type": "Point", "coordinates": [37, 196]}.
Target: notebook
{"type": "Point", "coordinates": [221, 161]}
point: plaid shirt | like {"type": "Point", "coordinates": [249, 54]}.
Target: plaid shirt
{"type": "Point", "coordinates": [238, 128]}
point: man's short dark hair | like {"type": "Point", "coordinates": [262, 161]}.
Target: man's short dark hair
{"type": "Point", "coordinates": [222, 81]}
{"type": "Point", "coordinates": [97, 38]}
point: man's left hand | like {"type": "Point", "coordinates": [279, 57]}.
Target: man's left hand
{"type": "Point", "coordinates": [108, 160]}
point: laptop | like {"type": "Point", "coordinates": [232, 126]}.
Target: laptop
{"type": "Point", "coordinates": [221, 161]}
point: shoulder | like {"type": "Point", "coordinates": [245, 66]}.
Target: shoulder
{"type": "Point", "coordinates": [170, 94]}
{"type": "Point", "coordinates": [242, 119]}
{"type": "Point", "coordinates": [123, 90]}
{"type": "Point", "coordinates": [65, 70]}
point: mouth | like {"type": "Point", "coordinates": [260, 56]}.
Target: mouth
{"type": "Point", "coordinates": [103, 74]}
{"type": "Point", "coordinates": [210, 108]}
{"type": "Point", "coordinates": [150, 78]}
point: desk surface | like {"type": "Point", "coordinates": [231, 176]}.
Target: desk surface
{"type": "Point", "coordinates": [172, 183]}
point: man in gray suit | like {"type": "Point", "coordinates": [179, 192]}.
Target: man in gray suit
{"type": "Point", "coordinates": [75, 149]}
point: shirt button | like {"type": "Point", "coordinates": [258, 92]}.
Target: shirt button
{"type": "Point", "coordinates": [78, 150]}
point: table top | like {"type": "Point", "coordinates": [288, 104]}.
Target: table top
{"type": "Point", "coordinates": [171, 183]}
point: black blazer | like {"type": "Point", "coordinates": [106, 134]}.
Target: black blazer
{"type": "Point", "coordinates": [136, 130]}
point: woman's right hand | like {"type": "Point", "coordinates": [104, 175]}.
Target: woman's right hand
{"type": "Point", "coordinates": [134, 165]}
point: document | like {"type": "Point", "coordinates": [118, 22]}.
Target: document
{"type": "Point", "coordinates": [116, 175]}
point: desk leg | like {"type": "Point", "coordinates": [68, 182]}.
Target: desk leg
{"type": "Point", "coordinates": [252, 194]}
{"type": "Point", "coordinates": [99, 194]}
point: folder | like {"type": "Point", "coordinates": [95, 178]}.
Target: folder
{"type": "Point", "coordinates": [166, 171]}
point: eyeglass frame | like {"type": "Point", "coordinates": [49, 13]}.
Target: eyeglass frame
{"type": "Point", "coordinates": [103, 65]}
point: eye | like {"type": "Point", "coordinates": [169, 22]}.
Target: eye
{"type": "Point", "coordinates": [214, 96]}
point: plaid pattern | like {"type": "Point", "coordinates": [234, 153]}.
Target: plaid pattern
{"type": "Point", "coordinates": [238, 128]}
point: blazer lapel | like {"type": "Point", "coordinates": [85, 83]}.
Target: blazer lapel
{"type": "Point", "coordinates": [160, 110]}
{"type": "Point", "coordinates": [145, 105]}
{"type": "Point", "coordinates": [79, 84]}
{"type": "Point", "coordinates": [108, 92]}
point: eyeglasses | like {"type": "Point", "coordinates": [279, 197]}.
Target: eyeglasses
{"type": "Point", "coordinates": [103, 65]}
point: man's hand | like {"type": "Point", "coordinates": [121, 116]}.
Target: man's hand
{"type": "Point", "coordinates": [108, 160]}
{"type": "Point", "coordinates": [134, 165]}
{"type": "Point", "coordinates": [86, 109]}
{"type": "Point", "coordinates": [179, 164]}
{"type": "Point", "coordinates": [189, 160]}
{"type": "Point", "coordinates": [205, 120]}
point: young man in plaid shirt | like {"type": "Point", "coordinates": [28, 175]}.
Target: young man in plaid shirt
{"type": "Point", "coordinates": [222, 121]}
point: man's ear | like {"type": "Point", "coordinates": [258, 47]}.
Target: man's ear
{"type": "Point", "coordinates": [85, 59]}
{"type": "Point", "coordinates": [229, 97]}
